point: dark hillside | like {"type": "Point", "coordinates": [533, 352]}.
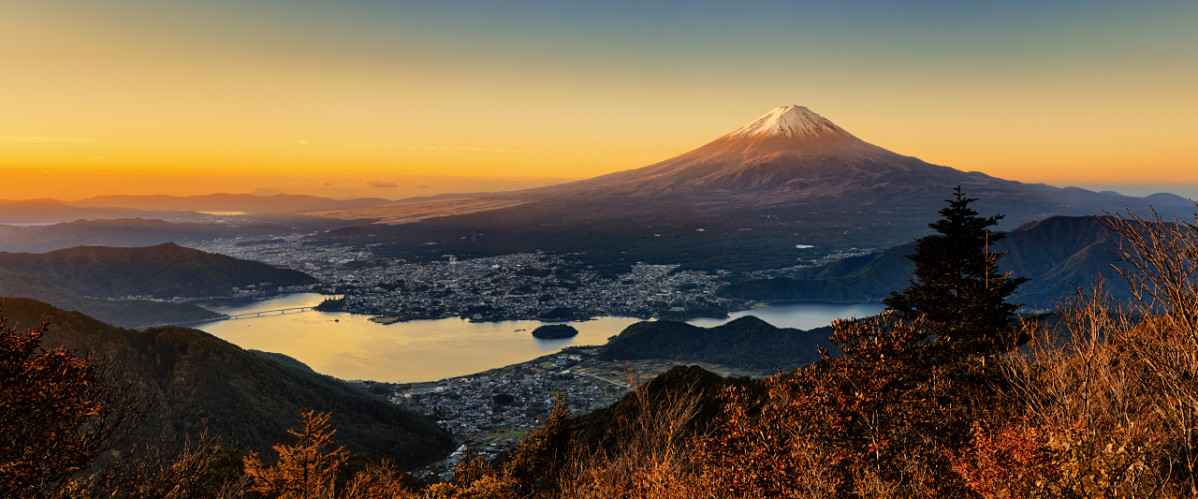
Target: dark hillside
{"type": "Point", "coordinates": [126, 313]}
{"type": "Point", "coordinates": [1057, 254]}
{"type": "Point", "coordinates": [605, 428]}
{"type": "Point", "coordinates": [162, 271]}
{"type": "Point", "coordinates": [130, 232]}
{"type": "Point", "coordinates": [207, 385]}
{"type": "Point", "coordinates": [747, 341]}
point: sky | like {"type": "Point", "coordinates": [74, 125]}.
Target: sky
{"type": "Point", "coordinates": [388, 98]}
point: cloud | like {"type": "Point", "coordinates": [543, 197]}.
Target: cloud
{"type": "Point", "coordinates": [379, 184]}
{"type": "Point", "coordinates": [326, 184]}
{"type": "Point", "coordinates": [38, 139]}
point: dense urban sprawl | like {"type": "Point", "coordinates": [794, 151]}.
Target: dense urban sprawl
{"type": "Point", "coordinates": [521, 286]}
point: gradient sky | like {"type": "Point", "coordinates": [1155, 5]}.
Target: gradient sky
{"type": "Point", "coordinates": [394, 98]}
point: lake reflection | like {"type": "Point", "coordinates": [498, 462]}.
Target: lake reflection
{"type": "Point", "coordinates": [349, 346]}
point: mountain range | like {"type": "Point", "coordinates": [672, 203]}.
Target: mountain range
{"type": "Point", "coordinates": [1058, 254]}
{"type": "Point", "coordinates": [276, 204]}
{"type": "Point", "coordinates": [125, 232]}
{"type": "Point", "coordinates": [209, 207]}
{"type": "Point", "coordinates": [788, 187]}
{"type": "Point", "coordinates": [204, 386]}
{"type": "Point", "coordinates": [162, 271]}
{"type": "Point", "coordinates": [100, 281]}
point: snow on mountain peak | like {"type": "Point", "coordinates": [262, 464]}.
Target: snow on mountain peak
{"type": "Point", "coordinates": [791, 121]}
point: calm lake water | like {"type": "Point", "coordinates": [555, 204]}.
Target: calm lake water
{"type": "Point", "coordinates": [349, 346]}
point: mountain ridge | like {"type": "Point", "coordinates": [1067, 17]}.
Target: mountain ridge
{"type": "Point", "coordinates": [98, 281]}
{"type": "Point", "coordinates": [741, 201]}
{"type": "Point", "coordinates": [161, 271]}
{"type": "Point", "coordinates": [1057, 254]}
{"type": "Point", "coordinates": [207, 386]}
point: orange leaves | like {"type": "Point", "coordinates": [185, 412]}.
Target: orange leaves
{"type": "Point", "coordinates": [777, 450]}
{"type": "Point", "coordinates": [1014, 461]}
{"type": "Point", "coordinates": [304, 470]}
{"type": "Point", "coordinates": [47, 399]}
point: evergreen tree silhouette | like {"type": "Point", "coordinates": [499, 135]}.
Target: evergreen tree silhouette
{"type": "Point", "coordinates": [957, 288]}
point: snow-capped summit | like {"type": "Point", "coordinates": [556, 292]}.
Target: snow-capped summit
{"type": "Point", "coordinates": [790, 121]}
{"type": "Point", "coordinates": [788, 150]}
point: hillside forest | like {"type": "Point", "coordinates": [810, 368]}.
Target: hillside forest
{"type": "Point", "coordinates": [947, 393]}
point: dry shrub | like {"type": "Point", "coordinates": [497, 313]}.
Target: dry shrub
{"type": "Point", "coordinates": [383, 481]}
{"type": "Point", "coordinates": [776, 450]}
{"type": "Point", "coordinates": [1012, 462]}
{"type": "Point", "coordinates": [166, 471]}
{"type": "Point", "coordinates": [1112, 392]}
{"type": "Point", "coordinates": [870, 423]}
{"type": "Point", "coordinates": [1089, 411]}
{"type": "Point", "coordinates": [474, 478]}
{"type": "Point", "coordinates": [1162, 269]}
{"type": "Point", "coordinates": [651, 458]}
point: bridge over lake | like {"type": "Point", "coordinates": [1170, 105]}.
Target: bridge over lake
{"type": "Point", "coordinates": [241, 316]}
{"type": "Point", "coordinates": [251, 315]}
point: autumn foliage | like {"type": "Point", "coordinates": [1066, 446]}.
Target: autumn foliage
{"type": "Point", "coordinates": [1098, 400]}
{"type": "Point", "coordinates": [304, 470]}
{"type": "Point", "coordinates": [58, 412]}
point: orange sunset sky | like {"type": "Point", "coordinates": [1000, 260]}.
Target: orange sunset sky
{"type": "Point", "coordinates": [396, 99]}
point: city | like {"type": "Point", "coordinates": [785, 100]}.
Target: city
{"type": "Point", "coordinates": [490, 411]}
{"type": "Point", "coordinates": [533, 286]}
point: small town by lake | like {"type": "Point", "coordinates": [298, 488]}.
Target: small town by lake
{"type": "Point", "coordinates": [350, 346]}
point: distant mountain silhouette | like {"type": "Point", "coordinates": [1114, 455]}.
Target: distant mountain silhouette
{"type": "Point", "coordinates": [276, 204]}
{"type": "Point", "coordinates": [41, 211]}
{"type": "Point", "coordinates": [97, 281]}
{"type": "Point", "coordinates": [1058, 254]}
{"type": "Point", "coordinates": [207, 207]}
{"type": "Point", "coordinates": [162, 271]}
{"type": "Point", "coordinates": [125, 313]}
{"type": "Point", "coordinates": [746, 199]}
{"type": "Point", "coordinates": [129, 232]}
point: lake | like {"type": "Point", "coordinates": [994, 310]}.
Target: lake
{"type": "Point", "coordinates": [349, 346]}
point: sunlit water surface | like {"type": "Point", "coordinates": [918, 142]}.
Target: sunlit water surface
{"type": "Point", "coordinates": [349, 346]}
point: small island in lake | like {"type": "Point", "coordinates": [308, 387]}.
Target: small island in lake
{"type": "Point", "coordinates": [385, 320]}
{"type": "Point", "coordinates": [555, 331]}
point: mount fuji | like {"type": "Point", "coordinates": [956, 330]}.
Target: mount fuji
{"type": "Point", "coordinates": [790, 153]}
{"type": "Point", "coordinates": [789, 186]}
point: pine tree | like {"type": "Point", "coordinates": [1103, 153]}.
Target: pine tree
{"type": "Point", "coordinates": [304, 470]}
{"type": "Point", "coordinates": [957, 288]}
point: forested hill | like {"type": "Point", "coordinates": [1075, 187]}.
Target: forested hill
{"type": "Point", "coordinates": [127, 313]}
{"type": "Point", "coordinates": [205, 385]}
{"type": "Point", "coordinates": [744, 342]}
{"type": "Point", "coordinates": [162, 271]}
{"type": "Point", "coordinates": [1057, 254]}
